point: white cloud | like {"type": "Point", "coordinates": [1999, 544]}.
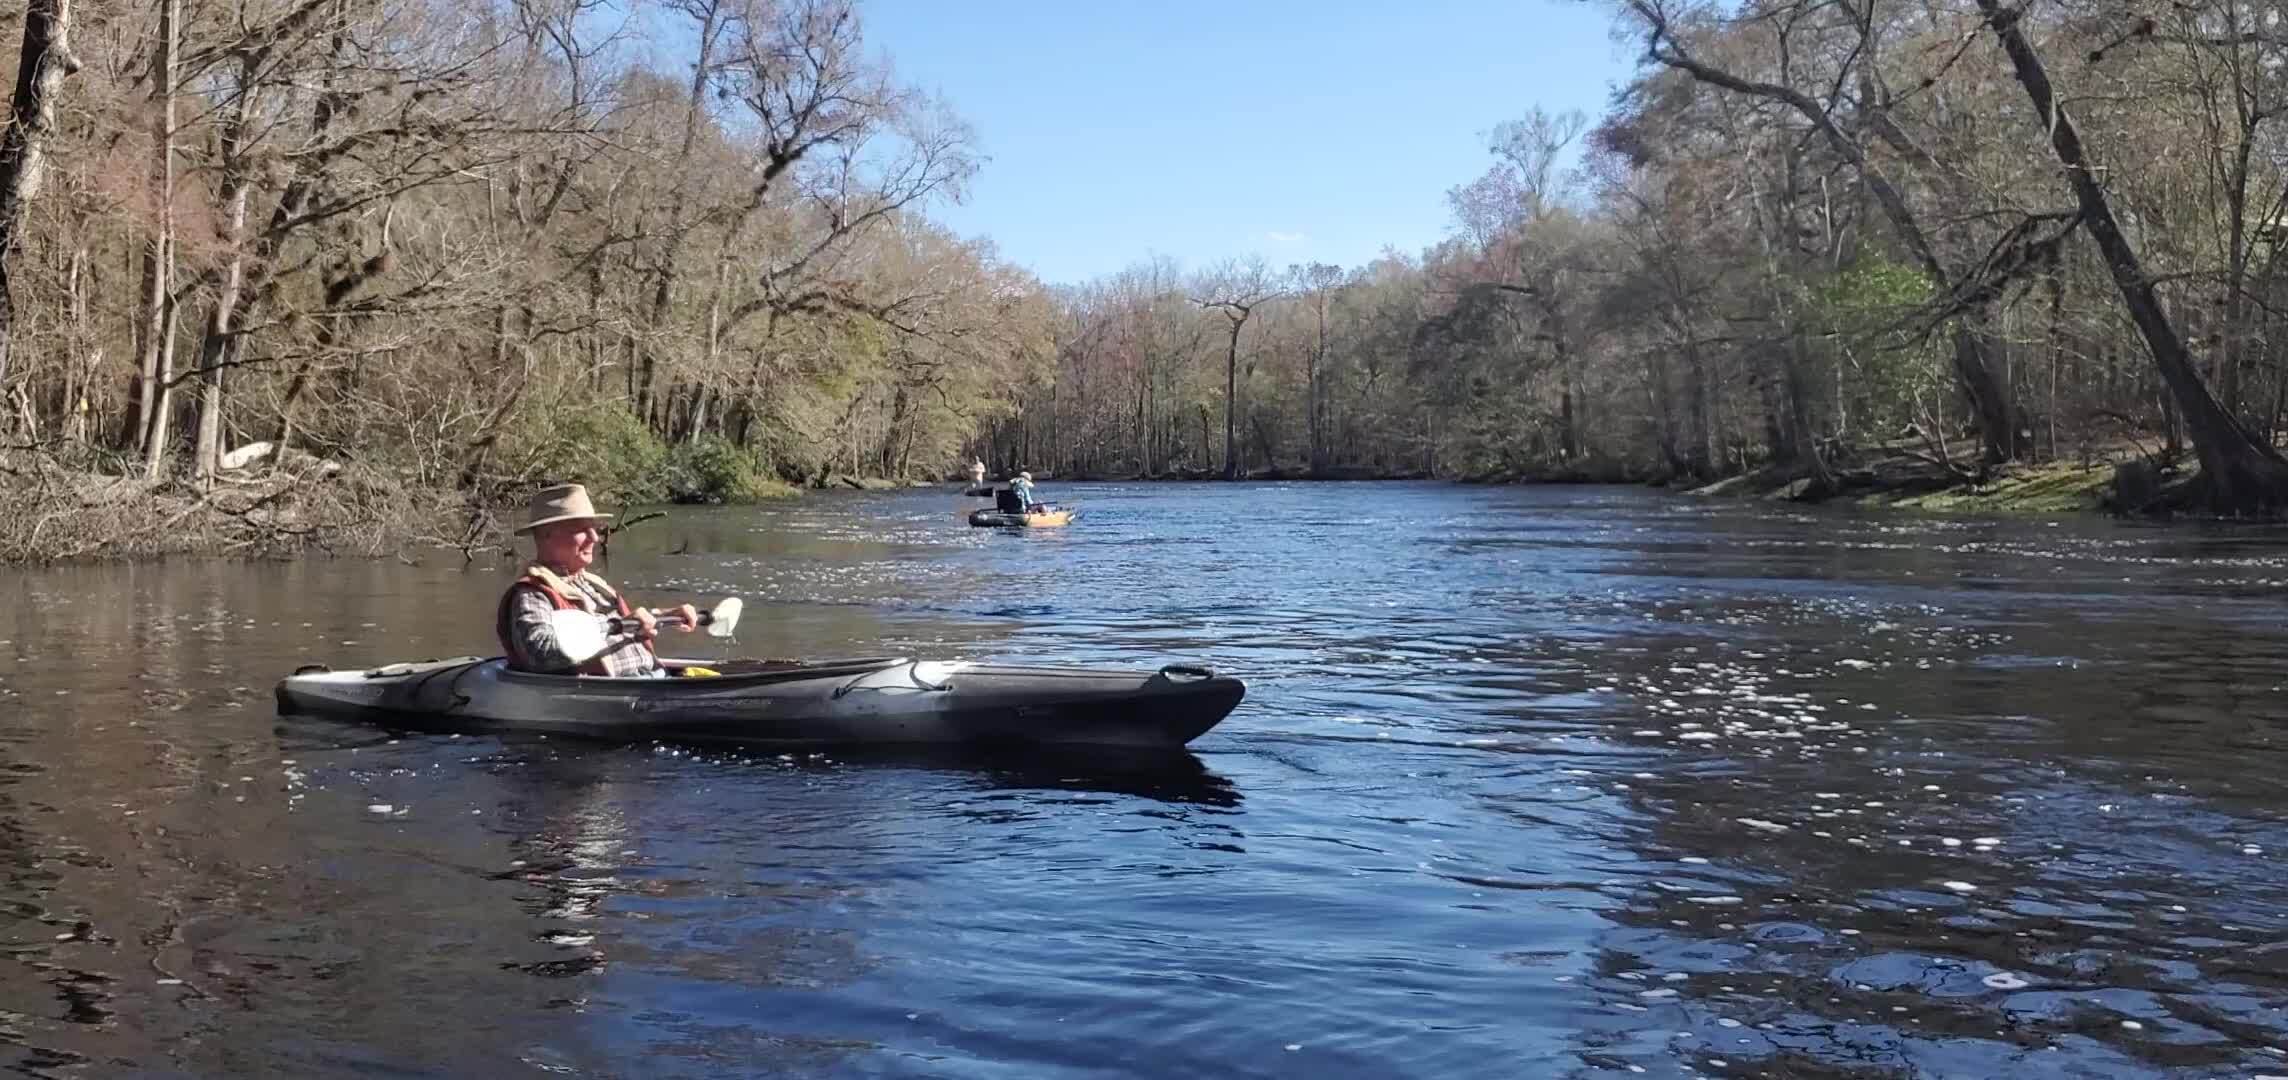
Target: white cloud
{"type": "Point", "coordinates": [1286, 238]}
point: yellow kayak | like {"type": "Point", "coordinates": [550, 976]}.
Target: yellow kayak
{"type": "Point", "coordinates": [1036, 519]}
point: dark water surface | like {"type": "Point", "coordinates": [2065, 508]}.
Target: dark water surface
{"type": "Point", "coordinates": [1527, 783]}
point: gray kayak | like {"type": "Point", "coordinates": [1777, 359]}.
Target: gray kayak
{"type": "Point", "coordinates": [877, 700]}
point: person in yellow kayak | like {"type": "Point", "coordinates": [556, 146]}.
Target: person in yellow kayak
{"type": "Point", "coordinates": [1023, 486]}
{"type": "Point", "coordinates": [565, 530]}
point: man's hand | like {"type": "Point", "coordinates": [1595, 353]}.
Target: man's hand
{"type": "Point", "coordinates": [690, 617]}
{"type": "Point", "coordinates": [647, 624]}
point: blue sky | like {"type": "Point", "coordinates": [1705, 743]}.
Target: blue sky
{"type": "Point", "coordinates": [1301, 131]}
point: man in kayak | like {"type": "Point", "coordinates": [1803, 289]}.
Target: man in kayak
{"type": "Point", "coordinates": [1023, 486]}
{"type": "Point", "coordinates": [565, 530]}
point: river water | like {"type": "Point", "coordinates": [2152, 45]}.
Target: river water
{"type": "Point", "coordinates": [1528, 782]}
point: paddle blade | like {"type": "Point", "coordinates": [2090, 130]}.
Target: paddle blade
{"type": "Point", "coordinates": [724, 619]}
{"type": "Point", "coordinates": [578, 633]}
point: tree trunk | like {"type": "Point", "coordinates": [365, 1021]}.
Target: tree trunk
{"type": "Point", "coordinates": [663, 291]}
{"type": "Point", "coordinates": [40, 71]}
{"type": "Point", "coordinates": [1316, 403]}
{"type": "Point", "coordinates": [2240, 474]}
{"type": "Point", "coordinates": [220, 346]}
{"type": "Point", "coordinates": [1661, 403]}
{"type": "Point", "coordinates": [156, 348]}
{"type": "Point", "coordinates": [1779, 445]}
{"type": "Point", "coordinates": [162, 394]}
{"type": "Point", "coordinates": [87, 355]}
{"type": "Point", "coordinates": [209, 451]}
{"type": "Point", "coordinates": [1803, 436]}
{"type": "Point", "coordinates": [1696, 393]}
{"type": "Point", "coordinates": [1569, 425]}
{"type": "Point", "coordinates": [709, 370]}
{"type": "Point", "coordinates": [1569, 431]}
{"type": "Point", "coordinates": [1231, 405]}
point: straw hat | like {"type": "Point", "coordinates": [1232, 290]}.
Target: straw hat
{"type": "Point", "coordinates": [564, 502]}
{"type": "Point", "coordinates": [1024, 476]}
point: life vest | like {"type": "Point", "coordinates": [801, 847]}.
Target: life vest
{"type": "Point", "coordinates": [557, 590]}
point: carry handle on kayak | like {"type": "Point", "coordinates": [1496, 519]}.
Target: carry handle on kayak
{"type": "Point", "coordinates": [1194, 670]}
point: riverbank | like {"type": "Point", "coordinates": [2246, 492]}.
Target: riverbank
{"type": "Point", "coordinates": [2118, 481]}
{"type": "Point", "coordinates": [58, 511]}
{"type": "Point", "coordinates": [51, 513]}
{"type": "Point", "coordinates": [1274, 474]}
{"type": "Point", "coordinates": [1880, 476]}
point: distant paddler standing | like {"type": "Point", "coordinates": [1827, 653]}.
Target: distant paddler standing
{"type": "Point", "coordinates": [977, 474]}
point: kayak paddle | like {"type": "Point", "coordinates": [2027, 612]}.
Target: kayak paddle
{"type": "Point", "coordinates": [584, 635]}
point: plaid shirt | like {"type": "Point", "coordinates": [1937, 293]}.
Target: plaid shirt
{"type": "Point", "coordinates": [532, 642]}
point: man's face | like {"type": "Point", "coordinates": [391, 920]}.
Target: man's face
{"type": "Point", "coordinates": [568, 545]}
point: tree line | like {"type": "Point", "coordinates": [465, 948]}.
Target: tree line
{"type": "Point", "coordinates": [1804, 236]}
{"type": "Point", "coordinates": [683, 248]}
{"type": "Point", "coordinates": [476, 246]}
